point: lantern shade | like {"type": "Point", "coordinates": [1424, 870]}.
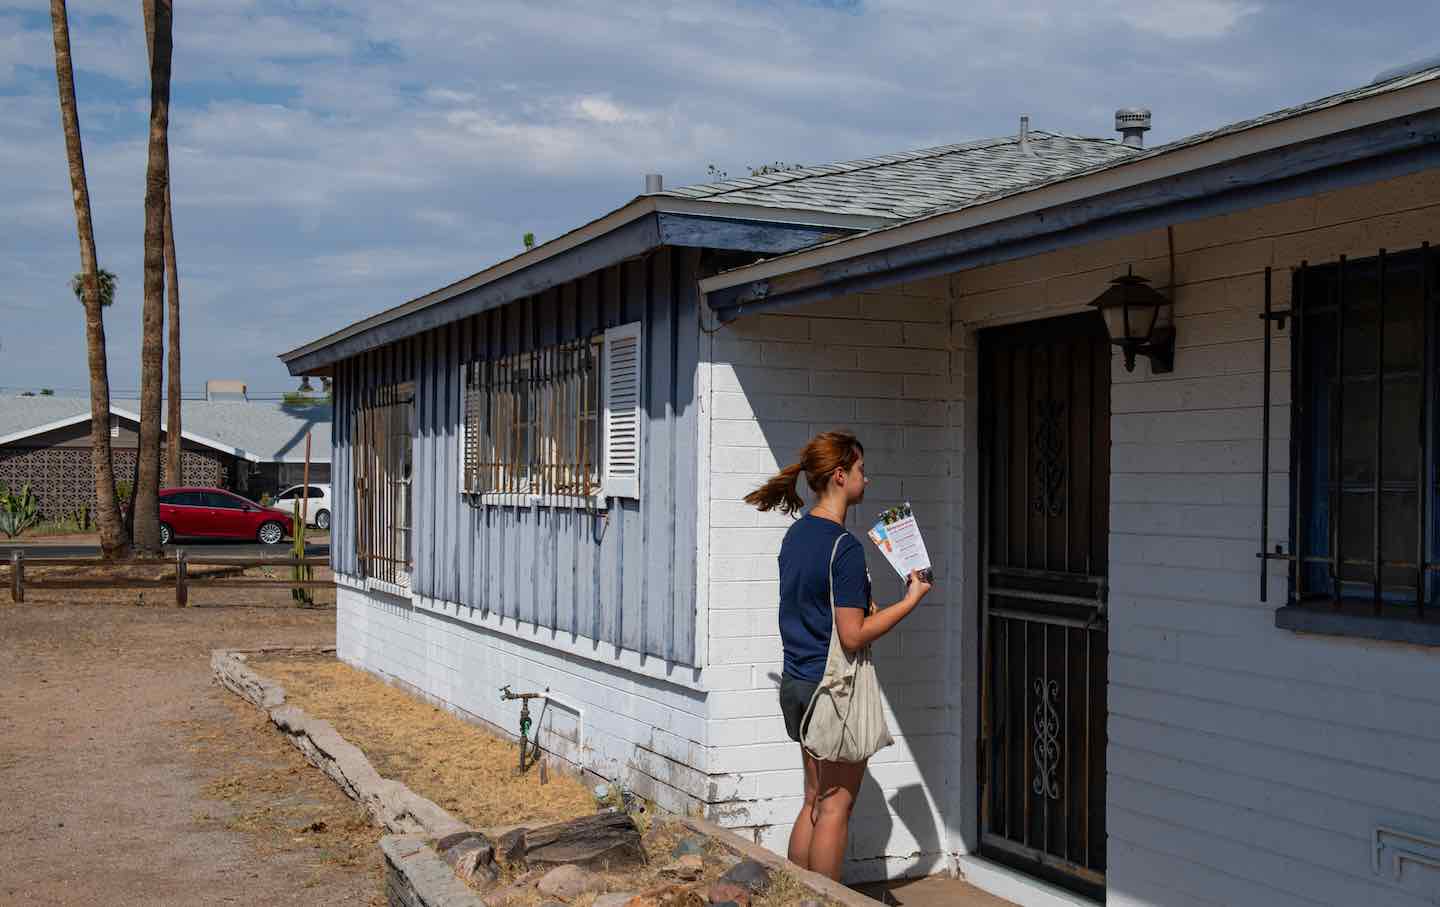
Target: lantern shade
{"type": "Point", "coordinates": [1128, 322]}
{"type": "Point", "coordinates": [1137, 318]}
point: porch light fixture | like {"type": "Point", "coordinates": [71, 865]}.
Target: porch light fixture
{"type": "Point", "coordinates": [1139, 321]}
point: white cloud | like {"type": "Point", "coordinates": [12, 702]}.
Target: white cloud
{"type": "Point", "coordinates": [331, 161]}
{"type": "Point", "coordinates": [1183, 18]}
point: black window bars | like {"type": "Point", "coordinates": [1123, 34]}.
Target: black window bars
{"type": "Point", "coordinates": [1340, 304]}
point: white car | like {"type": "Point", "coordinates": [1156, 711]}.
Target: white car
{"type": "Point", "coordinates": [317, 503]}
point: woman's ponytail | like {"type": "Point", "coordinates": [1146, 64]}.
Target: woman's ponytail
{"type": "Point", "coordinates": [779, 491]}
{"type": "Point", "coordinates": [826, 452]}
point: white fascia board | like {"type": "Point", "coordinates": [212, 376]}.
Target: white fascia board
{"type": "Point", "coordinates": [647, 204]}
{"type": "Point", "coordinates": [66, 422]}
{"type": "Point", "coordinates": [126, 414]}
{"type": "Point", "coordinates": [1303, 127]}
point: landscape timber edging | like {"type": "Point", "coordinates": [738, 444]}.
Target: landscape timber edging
{"type": "Point", "coordinates": [415, 875]}
{"type": "Point", "coordinates": [391, 803]}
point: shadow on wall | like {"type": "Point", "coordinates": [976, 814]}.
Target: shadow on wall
{"type": "Point", "coordinates": [776, 393]}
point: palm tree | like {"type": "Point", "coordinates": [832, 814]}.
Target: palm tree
{"type": "Point", "coordinates": [114, 541]}
{"type": "Point", "coordinates": [172, 371]}
{"type": "Point", "coordinates": [107, 281]}
{"type": "Point", "coordinates": [145, 505]}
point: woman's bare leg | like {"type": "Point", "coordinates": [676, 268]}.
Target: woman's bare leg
{"type": "Point", "coordinates": [800, 834]}
{"type": "Point", "coordinates": [839, 786]}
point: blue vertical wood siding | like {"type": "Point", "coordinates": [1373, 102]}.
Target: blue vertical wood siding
{"type": "Point", "coordinates": [623, 577]}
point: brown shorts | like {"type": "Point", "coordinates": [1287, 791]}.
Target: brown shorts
{"type": "Point", "coordinates": [795, 695]}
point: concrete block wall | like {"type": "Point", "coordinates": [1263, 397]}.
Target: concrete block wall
{"type": "Point", "coordinates": [882, 366]}
{"type": "Point", "coordinates": [1247, 764]}
{"type": "Point", "coordinates": [606, 716]}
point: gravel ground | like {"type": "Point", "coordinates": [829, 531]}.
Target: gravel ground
{"type": "Point", "coordinates": [128, 777]}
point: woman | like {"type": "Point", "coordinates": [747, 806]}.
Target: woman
{"type": "Point", "coordinates": [834, 468]}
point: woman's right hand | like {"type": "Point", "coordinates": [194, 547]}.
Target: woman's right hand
{"type": "Point", "coordinates": [918, 588]}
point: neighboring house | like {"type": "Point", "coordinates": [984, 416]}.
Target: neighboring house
{"type": "Point", "coordinates": [539, 473]}
{"type": "Point", "coordinates": [252, 447]}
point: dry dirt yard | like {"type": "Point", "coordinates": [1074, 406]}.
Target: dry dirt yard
{"type": "Point", "coordinates": [128, 777]}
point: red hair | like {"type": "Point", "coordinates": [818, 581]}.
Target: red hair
{"type": "Point", "coordinates": [826, 452]}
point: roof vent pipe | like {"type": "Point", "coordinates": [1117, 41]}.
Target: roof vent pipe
{"type": "Point", "coordinates": [1025, 137]}
{"type": "Point", "coordinates": [1132, 123]}
{"type": "Point", "coordinates": [654, 182]}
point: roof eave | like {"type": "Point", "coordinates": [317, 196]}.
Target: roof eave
{"type": "Point", "coordinates": [315, 357]}
{"type": "Point", "coordinates": [781, 280]}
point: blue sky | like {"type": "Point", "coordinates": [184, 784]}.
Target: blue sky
{"type": "Point", "coordinates": [332, 160]}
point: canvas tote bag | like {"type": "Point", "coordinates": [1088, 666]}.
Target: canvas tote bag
{"type": "Point", "coordinates": [845, 721]}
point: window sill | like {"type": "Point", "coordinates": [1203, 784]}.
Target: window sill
{"type": "Point", "coordinates": [518, 499]}
{"type": "Point", "coordinates": [379, 585]}
{"type": "Point", "coordinates": [1358, 620]}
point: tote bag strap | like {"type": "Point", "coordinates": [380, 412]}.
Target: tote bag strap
{"type": "Point", "coordinates": [814, 697]}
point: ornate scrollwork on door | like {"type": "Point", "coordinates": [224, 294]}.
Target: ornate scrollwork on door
{"type": "Point", "coordinates": [1047, 740]}
{"type": "Point", "coordinates": [1049, 458]}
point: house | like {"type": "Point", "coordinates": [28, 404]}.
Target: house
{"type": "Point", "coordinates": [229, 441]}
{"type": "Point", "coordinates": [1182, 648]}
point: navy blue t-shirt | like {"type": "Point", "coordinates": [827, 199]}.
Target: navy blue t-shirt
{"type": "Point", "coordinates": [805, 619]}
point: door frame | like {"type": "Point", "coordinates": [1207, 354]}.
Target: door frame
{"type": "Point", "coordinates": [1043, 869]}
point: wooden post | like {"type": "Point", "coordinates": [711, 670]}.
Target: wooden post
{"type": "Point", "coordinates": [17, 576]}
{"type": "Point", "coordinates": [182, 577]}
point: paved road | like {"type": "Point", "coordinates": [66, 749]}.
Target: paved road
{"type": "Point", "coordinates": [194, 549]}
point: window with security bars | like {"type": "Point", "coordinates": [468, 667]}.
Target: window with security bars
{"type": "Point", "coordinates": [1364, 433]}
{"type": "Point", "coordinates": [383, 445]}
{"type": "Point", "coordinates": [557, 423]}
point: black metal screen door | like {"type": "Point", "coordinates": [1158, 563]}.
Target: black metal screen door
{"type": "Point", "coordinates": [1045, 487]}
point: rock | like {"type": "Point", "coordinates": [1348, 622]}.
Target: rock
{"type": "Point", "coordinates": [618, 899]}
{"type": "Point", "coordinates": [748, 874]}
{"type": "Point", "coordinates": [522, 887]}
{"type": "Point", "coordinates": [569, 882]}
{"type": "Point", "coordinates": [471, 855]}
{"type": "Point", "coordinates": [668, 896]}
{"type": "Point", "coordinates": [688, 868]}
{"type": "Point", "coordinates": [511, 846]}
{"type": "Point", "coordinates": [688, 846]}
{"type": "Point", "coordinates": [729, 893]}
{"type": "Point", "coordinates": [811, 902]}
{"type": "Point", "coordinates": [725, 859]}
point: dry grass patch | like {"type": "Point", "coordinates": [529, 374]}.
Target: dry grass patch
{"type": "Point", "coordinates": [466, 770]}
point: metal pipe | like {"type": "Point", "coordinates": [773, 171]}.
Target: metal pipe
{"type": "Point", "coordinates": [1337, 431]}
{"type": "Point", "coordinates": [1298, 411]}
{"type": "Point", "coordinates": [1265, 453]}
{"type": "Point", "coordinates": [1378, 470]}
{"type": "Point", "coordinates": [1422, 468]}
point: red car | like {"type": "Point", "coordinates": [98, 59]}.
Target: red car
{"type": "Point", "coordinates": [217, 513]}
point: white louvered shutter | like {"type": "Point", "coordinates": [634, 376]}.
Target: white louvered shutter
{"type": "Point", "coordinates": [623, 415]}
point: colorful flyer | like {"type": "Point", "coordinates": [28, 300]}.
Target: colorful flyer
{"type": "Point", "coordinates": [898, 537]}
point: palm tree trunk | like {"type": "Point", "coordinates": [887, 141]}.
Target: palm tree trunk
{"type": "Point", "coordinates": [145, 508]}
{"type": "Point", "coordinates": [114, 542]}
{"type": "Point", "coordinates": [173, 470]}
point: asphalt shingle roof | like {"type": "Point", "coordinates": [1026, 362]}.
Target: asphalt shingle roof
{"type": "Point", "coordinates": [266, 429]}
{"type": "Point", "coordinates": [914, 183]}
{"type": "Point", "coordinates": [1344, 97]}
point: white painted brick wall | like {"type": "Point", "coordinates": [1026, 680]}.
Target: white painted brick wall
{"type": "Point", "coordinates": [642, 730]}
{"type": "Point", "coordinates": [1247, 765]}
{"type": "Point", "coordinates": [877, 365]}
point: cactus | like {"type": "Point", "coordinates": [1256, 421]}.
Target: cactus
{"type": "Point", "coordinates": [301, 594]}
{"type": "Point", "coordinates": [18, 512]}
